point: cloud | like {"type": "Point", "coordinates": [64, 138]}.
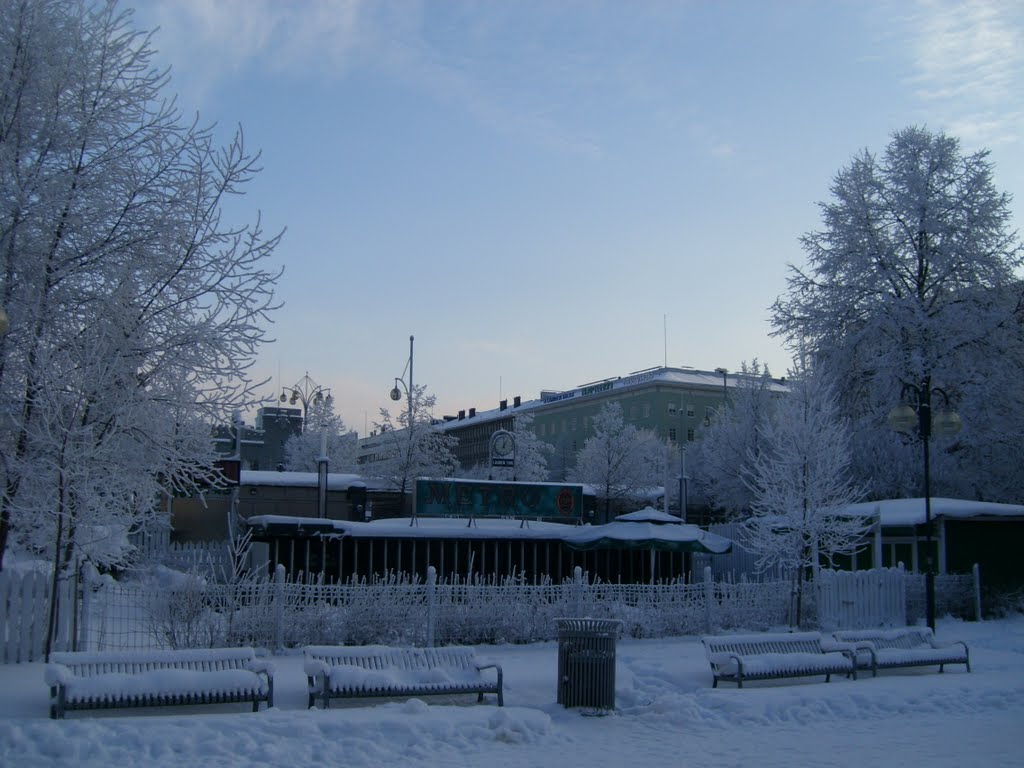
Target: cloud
{"type": "Point", "coordinates": [210, 41]}
{"type": "Point", "coordinates": [968, 60]}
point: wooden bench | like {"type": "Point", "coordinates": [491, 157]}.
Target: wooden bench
{"type": "Point", "coordinates": [375, 670]}
{"type": "Point", "coordinates": [903, 647]}
{"type": "Point", "coordinates": [109, 679]}
{"type": "Point", "coordinates": [766, 656]}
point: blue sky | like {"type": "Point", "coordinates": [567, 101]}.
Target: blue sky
{"type": "Point", "coordinates": [547, 193]}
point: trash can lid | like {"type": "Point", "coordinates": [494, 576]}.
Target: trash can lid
{"type": "Point", "coordinates": [589, 625]}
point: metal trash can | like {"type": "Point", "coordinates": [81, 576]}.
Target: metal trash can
{"type": "Point", "coordinates": [586, 662]}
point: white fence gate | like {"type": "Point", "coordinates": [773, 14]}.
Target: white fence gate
{"type": "Point", "coordinates": [861, 599]}
{"type": "Point", "coordinates": [25, 614]}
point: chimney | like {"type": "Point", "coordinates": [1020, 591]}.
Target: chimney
{"type": "Point", "coordinates": [462, 415]}
{"type": "Point", "coordinates": [503, 405]}
{"type": "Point", "coordinates": [516, 401]}
{"type": "Point", "coordinates": [472, 412]}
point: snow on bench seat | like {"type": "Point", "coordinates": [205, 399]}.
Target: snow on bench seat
{"type": "Point", "coordinates": [903, 647]}
{"type": "Point", "coordinates": [101, 680]}
{"type": "Point", "coordinates": [767, 656]}
{"type": "Point", "coordinates": [376, 670]}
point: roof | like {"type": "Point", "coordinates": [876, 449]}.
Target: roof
{"type": "Point", "coordinates": [336, 481]}
{"type": "Point", "coordinates": [904, 512]}
{"type": "Point", "coordinates": [493, 528]}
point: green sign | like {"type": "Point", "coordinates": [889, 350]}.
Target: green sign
{"type": "Point", "coordinates": [483, 498]}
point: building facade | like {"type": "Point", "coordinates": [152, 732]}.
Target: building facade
{"type": "Point", "coordinates": [261, 446]}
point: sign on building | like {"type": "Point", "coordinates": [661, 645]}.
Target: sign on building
{"type": "Point", "coordinates": [484, 498]}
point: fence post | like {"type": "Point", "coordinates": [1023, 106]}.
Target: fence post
{"type": "Point", "coordinates": [89, 575]}
{"type": "Point", "coordinates": [976, 572]}
{"type": "Point", "coordinates": [577, 591]}
{"type": "Point", "coordinates": [431, 604]}
{"type": "Point", "coordinates": [279, 601]}
{"type": "Point", "coordinates": [709, 598]}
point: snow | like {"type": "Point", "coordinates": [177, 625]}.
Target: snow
{"type": "Point", "coordinates": [667, 715]}
{"type": "Point", "coordinates": [906, 512]}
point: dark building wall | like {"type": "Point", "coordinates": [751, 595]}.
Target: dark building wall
{"type": "Point", "coordinates": [994, 544]}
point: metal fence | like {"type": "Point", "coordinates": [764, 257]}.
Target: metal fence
{"type": "Point", "coordinates": [193, 612]}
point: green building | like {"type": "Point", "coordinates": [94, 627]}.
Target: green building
{"type": "Point", "coordinates": [674, 403]}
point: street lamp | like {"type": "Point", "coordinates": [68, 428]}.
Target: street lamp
{"type": "Point", "coordinates": [915, 409]}
{"type": "Point", "coordinates": [396, 393]}
{"type": "Point", "coordinates": [305, 391]}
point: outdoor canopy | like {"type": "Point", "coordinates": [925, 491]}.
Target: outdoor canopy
{"type": "Point", "coordinates": [648, 528]}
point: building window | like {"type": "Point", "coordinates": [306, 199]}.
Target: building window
{"type": "Point", "coordinates": [543, 430]}
{"type": "Point", "coordinates": [689, 410]}
{"type": "Point", "coordinates": [632, 413]}
{"type": "Point", "coordinates": [647, 410]}
{"type": "Point", "coordinates": [672, 434]}
{"type": "Point", "coordinates": [572, 423]}
{"type": "Point", "coordinates": [690, 436]}
{"type": "Point", "coordinates": [671, 409]}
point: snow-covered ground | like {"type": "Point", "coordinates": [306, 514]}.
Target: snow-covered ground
{"type": "Point", "coordinates": [668, 715]}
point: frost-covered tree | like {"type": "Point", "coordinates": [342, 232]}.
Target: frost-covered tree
{"type": "Point", "coordinates": [135, 310]}
{"type": "Point", "coordinates": [532, 456]}
{"type": "Point", "coordinates": [731, 443]}
{"type": "Point", "coordinates": [915, 275]}
{"type": "Point", "coordinates": [302, 451]}
{"type": "Point", "coordinates": [413, 447]}
{"type": "Point", "coordinates": [800, 482]}
{"type": "Point", "coordinates": [619, 460]}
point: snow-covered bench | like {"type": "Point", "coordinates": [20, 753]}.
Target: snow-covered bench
{"type": "Point", "coordinates": [108, 679]}
{"type": "Point", "coordinates": [374, 670]}
{"type": "Point", "coordinates": [766, 656]}
{"type": "Point", "coordinates": [903, 647]}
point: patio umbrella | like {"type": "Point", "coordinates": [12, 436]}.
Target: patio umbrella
{"type": "Point", "coordinates": [648, 528]}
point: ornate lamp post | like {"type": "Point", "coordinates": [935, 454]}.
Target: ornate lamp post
{"type": "Point", "coordinates": [305, 391]}
{"type": "Point", "coordinates": [915, 410]}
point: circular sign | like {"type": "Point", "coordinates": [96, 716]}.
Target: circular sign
{"type": "Point", "coordinates": [565, 502]}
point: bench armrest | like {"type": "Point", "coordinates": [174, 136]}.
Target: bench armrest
{"type": "Point", "coordinates": [843, 647]}
{"type": "Point", "coordinates": [58, 674]}
{"type": "Point", "coordinates": [487, 664]}
{"type": "Point", "coordinates": [948, 644]}
{"type": "Point", "coordinates": [265, 666]}
{"type": "Point", "coordinates": [315, 667]}
{"type": "Point", "coordinates": [722, 658]}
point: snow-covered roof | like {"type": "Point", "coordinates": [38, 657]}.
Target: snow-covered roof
{"type": "Point", "coordinates": [684, 376]}
{"type": "Point", "coordinates": [336, 481]}
{"type": "Point", "coordinates": [903, 512]}
{"type": "Point", "coordinates": [425, 527]}
{"type": "Point", "coordinates": [497, 528]}
{"type": "Point", "coordinates": [649, 515]}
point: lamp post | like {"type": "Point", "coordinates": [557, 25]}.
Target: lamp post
{"type": "Point", "coordinates": [396, 395]}
{"type": "Point", "coordinates": [915, 410]}
{"type": "Point", "coordinates": [305, 391]}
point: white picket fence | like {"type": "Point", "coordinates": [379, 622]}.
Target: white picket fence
{"type": "Point", "coordinates": [861, 599]}
{"type": "Point", "coordinates": [210, 558]}
{"type": "Point", "coordinates": [25, 616]}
